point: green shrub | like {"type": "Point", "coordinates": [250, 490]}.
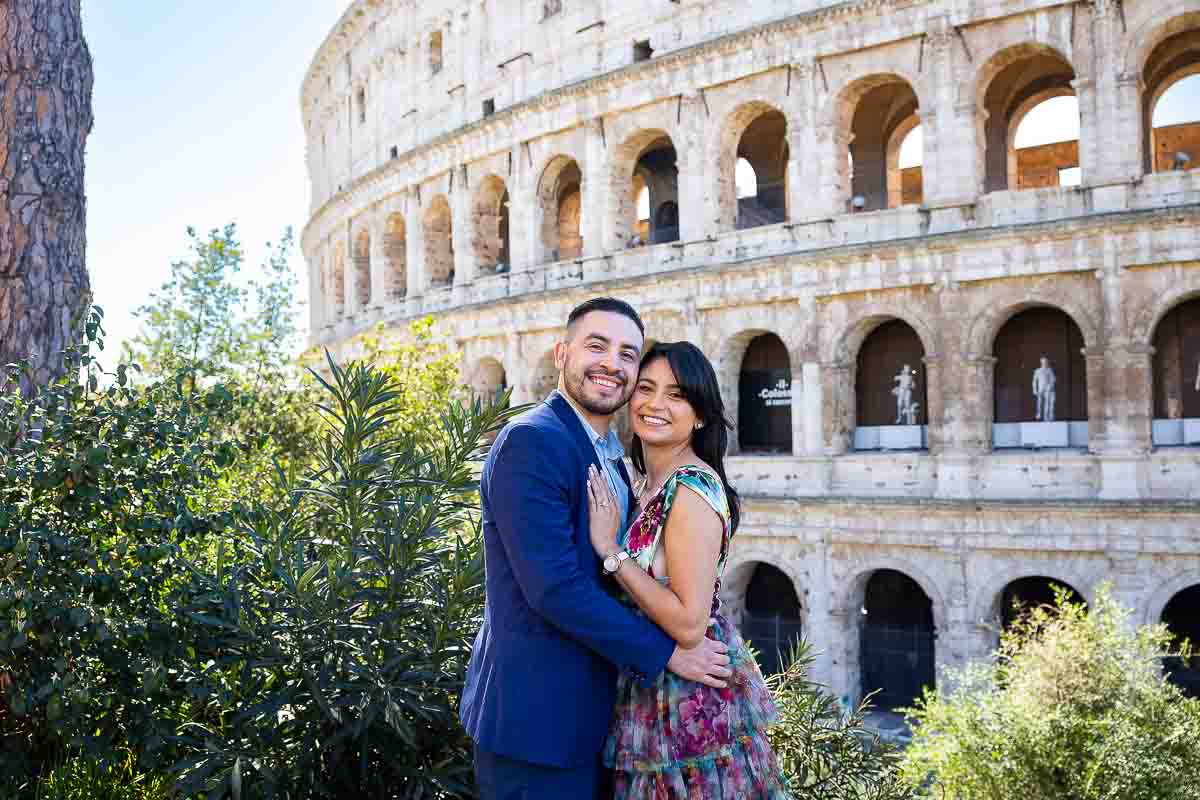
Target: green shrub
{"type": "Point", "coordinates": [330, 645]}
{"type": "Point", "coordinates": [1075, 705]}
{"type": "Point", "coordinates": [826, 753]}
{"type": "Point", "coordinates": [102, 491]}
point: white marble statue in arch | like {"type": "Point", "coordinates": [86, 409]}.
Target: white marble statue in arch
{"type": "Point", "coordinates": [905, 381]}
{"type": "Point", "coordinates": [1044, 383]}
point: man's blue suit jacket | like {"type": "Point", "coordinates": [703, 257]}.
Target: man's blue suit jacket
{"type": "Point", "coordinates": [542, 679]}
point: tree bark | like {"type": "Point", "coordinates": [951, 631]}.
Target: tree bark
{"type": "Point", "coordinates": [45, 118]}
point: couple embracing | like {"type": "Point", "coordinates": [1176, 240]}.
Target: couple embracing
{"type": "Point", "coordinates": [605, 668]}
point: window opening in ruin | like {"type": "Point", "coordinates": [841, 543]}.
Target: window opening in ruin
{"type": "Point", "coordinates": [906, 169]}
{"type": "Point", "coordinates": [1025, 398]}
{"type": "Point", "coordinates": [772, 617]}
{"type": "Point", "coordinates": [490, 222]}
{"type": "Point", "coordinates": [890, 390]}
{"type": "Point", "coordinates": [439, 243]}
{"type": "Point", "coordinates": [883, 114]}
{"type": "Point", "coordinates": [489, 107]}
{"type": "Point", "coordinates": [765, 397]}
{"type": "Point", "coordinates": [551, 8]}
{"type": "Point", "coordinates": [1031, 132]}
{"type": "Point", "coordinates": [1176, 377]}
{"type": "Point", "coordinates": [1172, 81]}
{"type": "Point", "coordinates": [395, 250]}
{"type": "Point", "coordinates": [362, 270]}
{"type": "Point", "coordinates": [761, 184]}
{"type": "Point", "coordinates": [560, 206]}
{"type": "Point", "coordinates": [361, 104]}
{"type": "Point", "coordinates": [642, 51]}
{"type": "Point", "coordinates": [545, 377]}
{"type": "Point", "coordinates": [656, 172]}
{"type": "Point", "coordinates": [488, 382]}
{"type": "Point", "coordinates": [896, 639]}
{"type": "Point", "coordinates": [1025, 594]}
{"type": "Point", "coordinates": [435, 52]}
{"type": "Point", "coordinates": [1182, 618]}
{"type": "Point", "coordinates": [394, 152]}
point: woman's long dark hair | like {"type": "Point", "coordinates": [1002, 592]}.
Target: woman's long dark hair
{"type": "Point", "coordinates": [698, 383]}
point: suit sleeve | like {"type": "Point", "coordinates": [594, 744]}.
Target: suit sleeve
{"type": "Point", "coordinates": [529, 501]}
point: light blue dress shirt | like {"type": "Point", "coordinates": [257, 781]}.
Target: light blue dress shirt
{"type": "Point", "coordinates": [609, 451]}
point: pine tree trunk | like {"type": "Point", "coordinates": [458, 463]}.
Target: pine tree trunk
{"type": "Point", "coordinates": [45, 118]}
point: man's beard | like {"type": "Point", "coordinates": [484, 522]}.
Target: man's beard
{"type": "Point", "coordinates": [576, 384]}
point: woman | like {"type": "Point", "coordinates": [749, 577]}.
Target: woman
{"type": "Point", "coordinates": [679, 739]}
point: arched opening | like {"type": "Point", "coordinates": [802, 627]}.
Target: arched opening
{"type": "Point", "coordinates": [362, 270]}
{"type": "Point", "coordinates": [890, 392]}
{"type": "Point", "coordinates": [765, 397]}
{"type": "Point", "coordinates": [641, 228]}
{"type": "Point", "coordinates": [761, 171]}
{"type": "Point", "coordinates": [906, 159]}
{"type": "Point", "coordinates": [338, 284]}
{"type": "Point", "coordinates": [771, 617]}
{"type": "Point", "coordinates": [1040, 382]}
{"type": "Point", "coordinates": [1171, 101]}
{"type": "Point", "coordinates": [439, 243]}
{"type": "Point", "coordinates": [1182, 618]}
{"type": "Point", "coordinates": [1025, 594]}
{"type": "Point", "coordinates": [545, 378]}
{"type": "Point", "coordinates": [489, 220]}
{"type": "Point", "coordinates": [1177, 376]}
{"type": "Point", "coordinates": [488, 381]}
{"type": "Point", "coordinates": [655, 170]}
{"type": "Point", "coordinates": [896, 639]}
{"type": "Point", "coordinates": [1026, 145]}
{"type": "Point", "coordinates": [435, 52]}
{"type": "Point", "coordinates": [395, 250]}
{"type": "Point", "coordinates": [885, 111]}
{"type": "Point", "coordinates": [560, 202]}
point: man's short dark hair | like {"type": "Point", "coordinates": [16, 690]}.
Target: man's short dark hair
{"type": "Point", "coordinates": [610, 304]}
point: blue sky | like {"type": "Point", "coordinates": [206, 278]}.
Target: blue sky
{"type": "Point", "coordinates": [197, 123]}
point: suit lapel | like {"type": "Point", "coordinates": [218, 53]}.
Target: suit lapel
{"type": "Point", "coordinates": [575, 425]}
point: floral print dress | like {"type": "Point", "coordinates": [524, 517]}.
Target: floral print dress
{"type": "Point", "coordinates": [681, 740]}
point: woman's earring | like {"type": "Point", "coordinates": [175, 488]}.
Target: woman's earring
{"type": "Point", "coordinates": [699, 425]}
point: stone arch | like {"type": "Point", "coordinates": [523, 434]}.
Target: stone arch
{"type": "Point", "coordinates": [1163, 20]}
{"type": "Point", "coordinates": [438, 233]}
{"type": "Point", "coordinates": [487, 379]}
{"type": "Point", "coordinates": [867, 113]}
{"type": "Point", "coordinates": [1031, 340]}
{"type": "Point", "coordinates": [559, 209]}
{"type": "Point", "coordinates": [395, 250]}
{"type": "Point", "coordinates": [985, 327]}
{"type": "Point", "coordinates": [769, 158]}
{"type": "Point", "coordinates": [651, 154]}
{"type": "Point", "coordinates": [1173, 56]}
{"type": "Point", "coordinates": [1019, 113]}
{"type": "Point", "coordinates": [1005, 82]}
{"type": "Point", "coordinates": [905, 185]}
{"type": "Point", "coordinates": [853, 602]}
{"type": "Point", "coordinates": [1175, 369]}
{"type": "Point", "coordinates": [1156, 602]}
{"type": "Point", "coordinates": [741, 567]}
{"type": "Point", "coordinates": [1181, 615]}
{"type": "Point", "coordinates": [775, 627]}
{"type": "Point", "coordinates": [1146, 322]}
{"type": "Point", "coordinates": [843, 348]}
{"type": "Point", "coordinates": [362, 269]}
{"type": "Point", "coordinates": [490, 226]}
{"type": "Point", "coordinates": [987, 600]}
{"type": "Point", "coordinates": [543, 378]}
{"type": "Point", "coordinates": [732, 373]}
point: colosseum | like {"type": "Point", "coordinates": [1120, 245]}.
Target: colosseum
{"type": "Point", "coordinates": [962, 367]}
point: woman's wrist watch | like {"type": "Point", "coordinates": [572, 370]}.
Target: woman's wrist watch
{"type": "Point", "coordinates": [613, 562]}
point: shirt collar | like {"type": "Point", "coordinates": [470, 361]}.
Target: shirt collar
{"type": "Point", "coordinates": [607, 444]}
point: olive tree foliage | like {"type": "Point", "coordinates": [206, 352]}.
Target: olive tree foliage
{"type": "Point", "coordinates": [827, 753]}
{"type": "Point", "coordinates": [1074, 705]}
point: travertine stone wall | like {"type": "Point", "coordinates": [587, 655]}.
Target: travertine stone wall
{"type": "Point", "coordinates": [409, 177]}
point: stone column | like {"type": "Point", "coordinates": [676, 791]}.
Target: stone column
{"type": "Point", "coordinates": [1097, 406]}
{"type": "Point", "coordinates": [966, 428]}
{"type": "Point", "coordinates": [465, 266]}
{"type": "Point", "coordinates": [933, 399]}
{"type": "Point", "coordinates": [812, 403]}
{"type": "Point", "coordinates": [952, 123]}
{"type": "Point", "coordinates": [418, 273]}
{"type": "Point", "coordinates": [696, 179]}
{"type": "Point", "coordinates": [599, 206]}
{"type": "Point", "coordinates": [523, 199]}
{"type": "Point", "coordinates": [838, 407]}
{"type": "Point", "coordinates": [1112, 133]}
{"type": "Point", "coordinates": [379, 263]}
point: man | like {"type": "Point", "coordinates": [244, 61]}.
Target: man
{"type": "Point", "coordinates": [1044, 382]}
{"type": "Point", "coordinates": [541, 685]}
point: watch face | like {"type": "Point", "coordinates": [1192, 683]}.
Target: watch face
{"type": "Point", "coordinates": [610, 564]}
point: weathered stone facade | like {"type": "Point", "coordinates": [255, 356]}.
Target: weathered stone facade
{"type": "Point", "coordinates": [481, 164]}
